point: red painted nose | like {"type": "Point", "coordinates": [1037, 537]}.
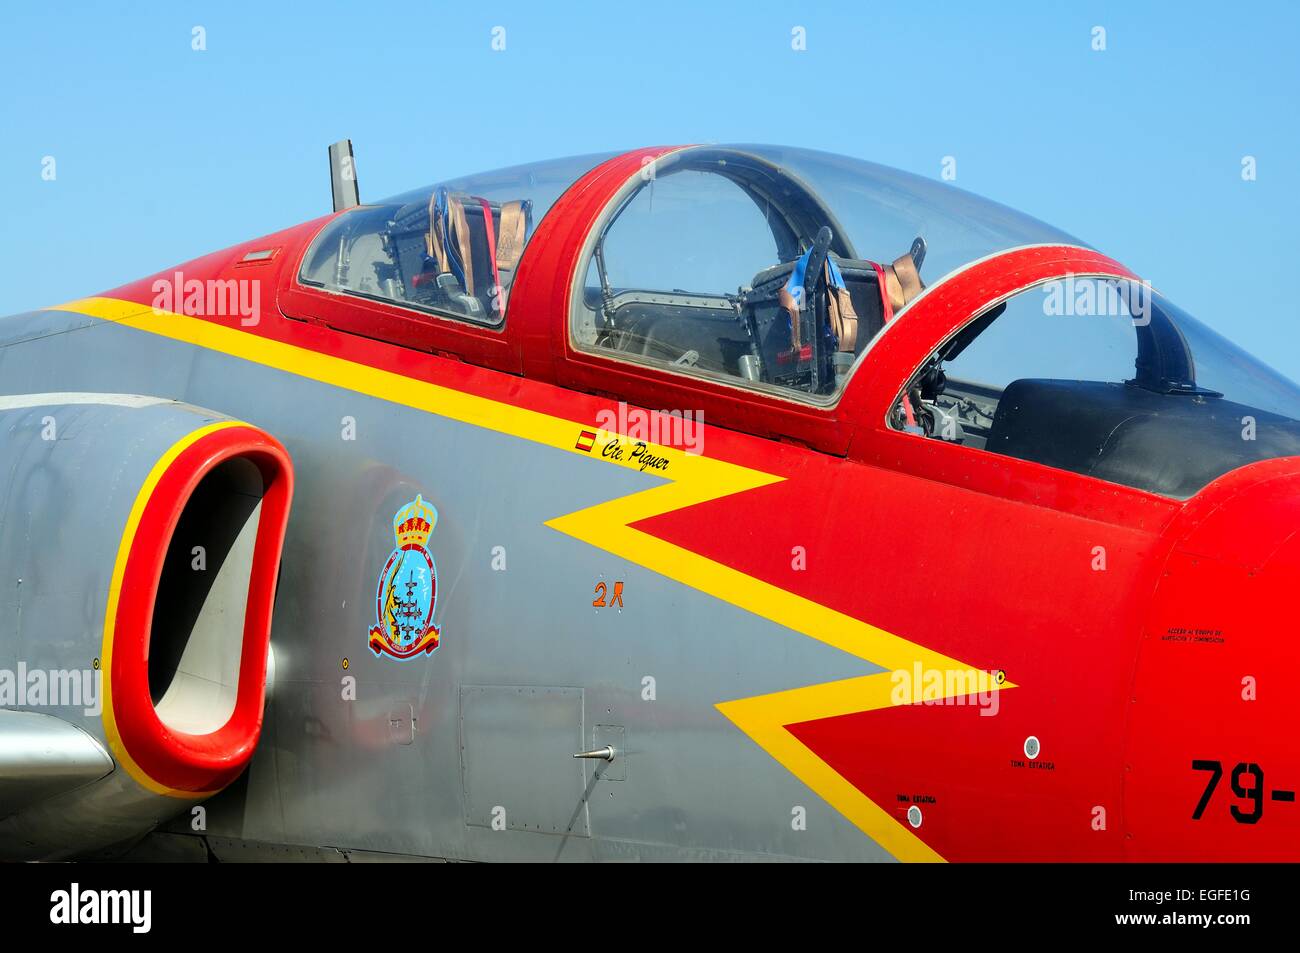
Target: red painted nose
{"type": "Point", "coordinates": [1212, 761]}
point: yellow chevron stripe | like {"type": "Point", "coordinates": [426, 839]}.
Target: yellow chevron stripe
{"type": "Point", "coordinates": [691, 479]}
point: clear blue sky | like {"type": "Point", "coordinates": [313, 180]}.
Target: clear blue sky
{"type": "Point", "coordinates": [164, 153]}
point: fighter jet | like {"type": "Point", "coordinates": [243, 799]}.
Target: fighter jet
{"type": "Point", "coordinates": [687, 503]}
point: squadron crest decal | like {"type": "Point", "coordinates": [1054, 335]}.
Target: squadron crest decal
{"type": "Point", "coordinates": [408, 588]}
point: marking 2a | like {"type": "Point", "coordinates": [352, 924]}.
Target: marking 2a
{"type": "Point", "coordinates": [602, 591]}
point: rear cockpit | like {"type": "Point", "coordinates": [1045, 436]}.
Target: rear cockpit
{"type": "Point", "coordinates": [725, 262]}
{"type": "Point", "coordinates": [771, 268]}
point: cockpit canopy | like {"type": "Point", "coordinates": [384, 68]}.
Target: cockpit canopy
{"type": "Point", "coordinates": [708, 220]}
{"type": "Point", "coordinates": [773, 269]}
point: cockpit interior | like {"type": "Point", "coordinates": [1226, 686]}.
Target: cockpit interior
{"type": "Point", "coordinates": [798, 323]}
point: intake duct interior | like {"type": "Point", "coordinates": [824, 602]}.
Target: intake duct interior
{"type": "Point", "coordinates": [197, 632]}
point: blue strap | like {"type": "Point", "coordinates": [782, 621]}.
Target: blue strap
{"type": "Point", "coordinates": [796, 281]}
{"type": "Point", "coordinates": [837, 280]}
{"type": "Point", "coordinates": [442, 222]}
{"type": "Point", "coordinates": [800, 271]}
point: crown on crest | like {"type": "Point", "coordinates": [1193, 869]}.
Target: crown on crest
{"type": "Point", "coordinates": [414, 523]}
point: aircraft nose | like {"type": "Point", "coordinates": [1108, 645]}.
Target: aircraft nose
{"type": "Point", "coordinates": [1212, 757]}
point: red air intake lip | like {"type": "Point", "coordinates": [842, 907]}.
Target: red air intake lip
{"type": "Point", "coordinates": [163, 759]}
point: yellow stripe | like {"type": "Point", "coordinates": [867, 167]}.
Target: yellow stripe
{"type": "Point", "coordinates": [372, 382]}
{"type": "Point", "coordinates": [692, 479]}
{"type": "Point", "coordinates": [764, 718]}
{"type": "Point", "coordinates": [111, 733]}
